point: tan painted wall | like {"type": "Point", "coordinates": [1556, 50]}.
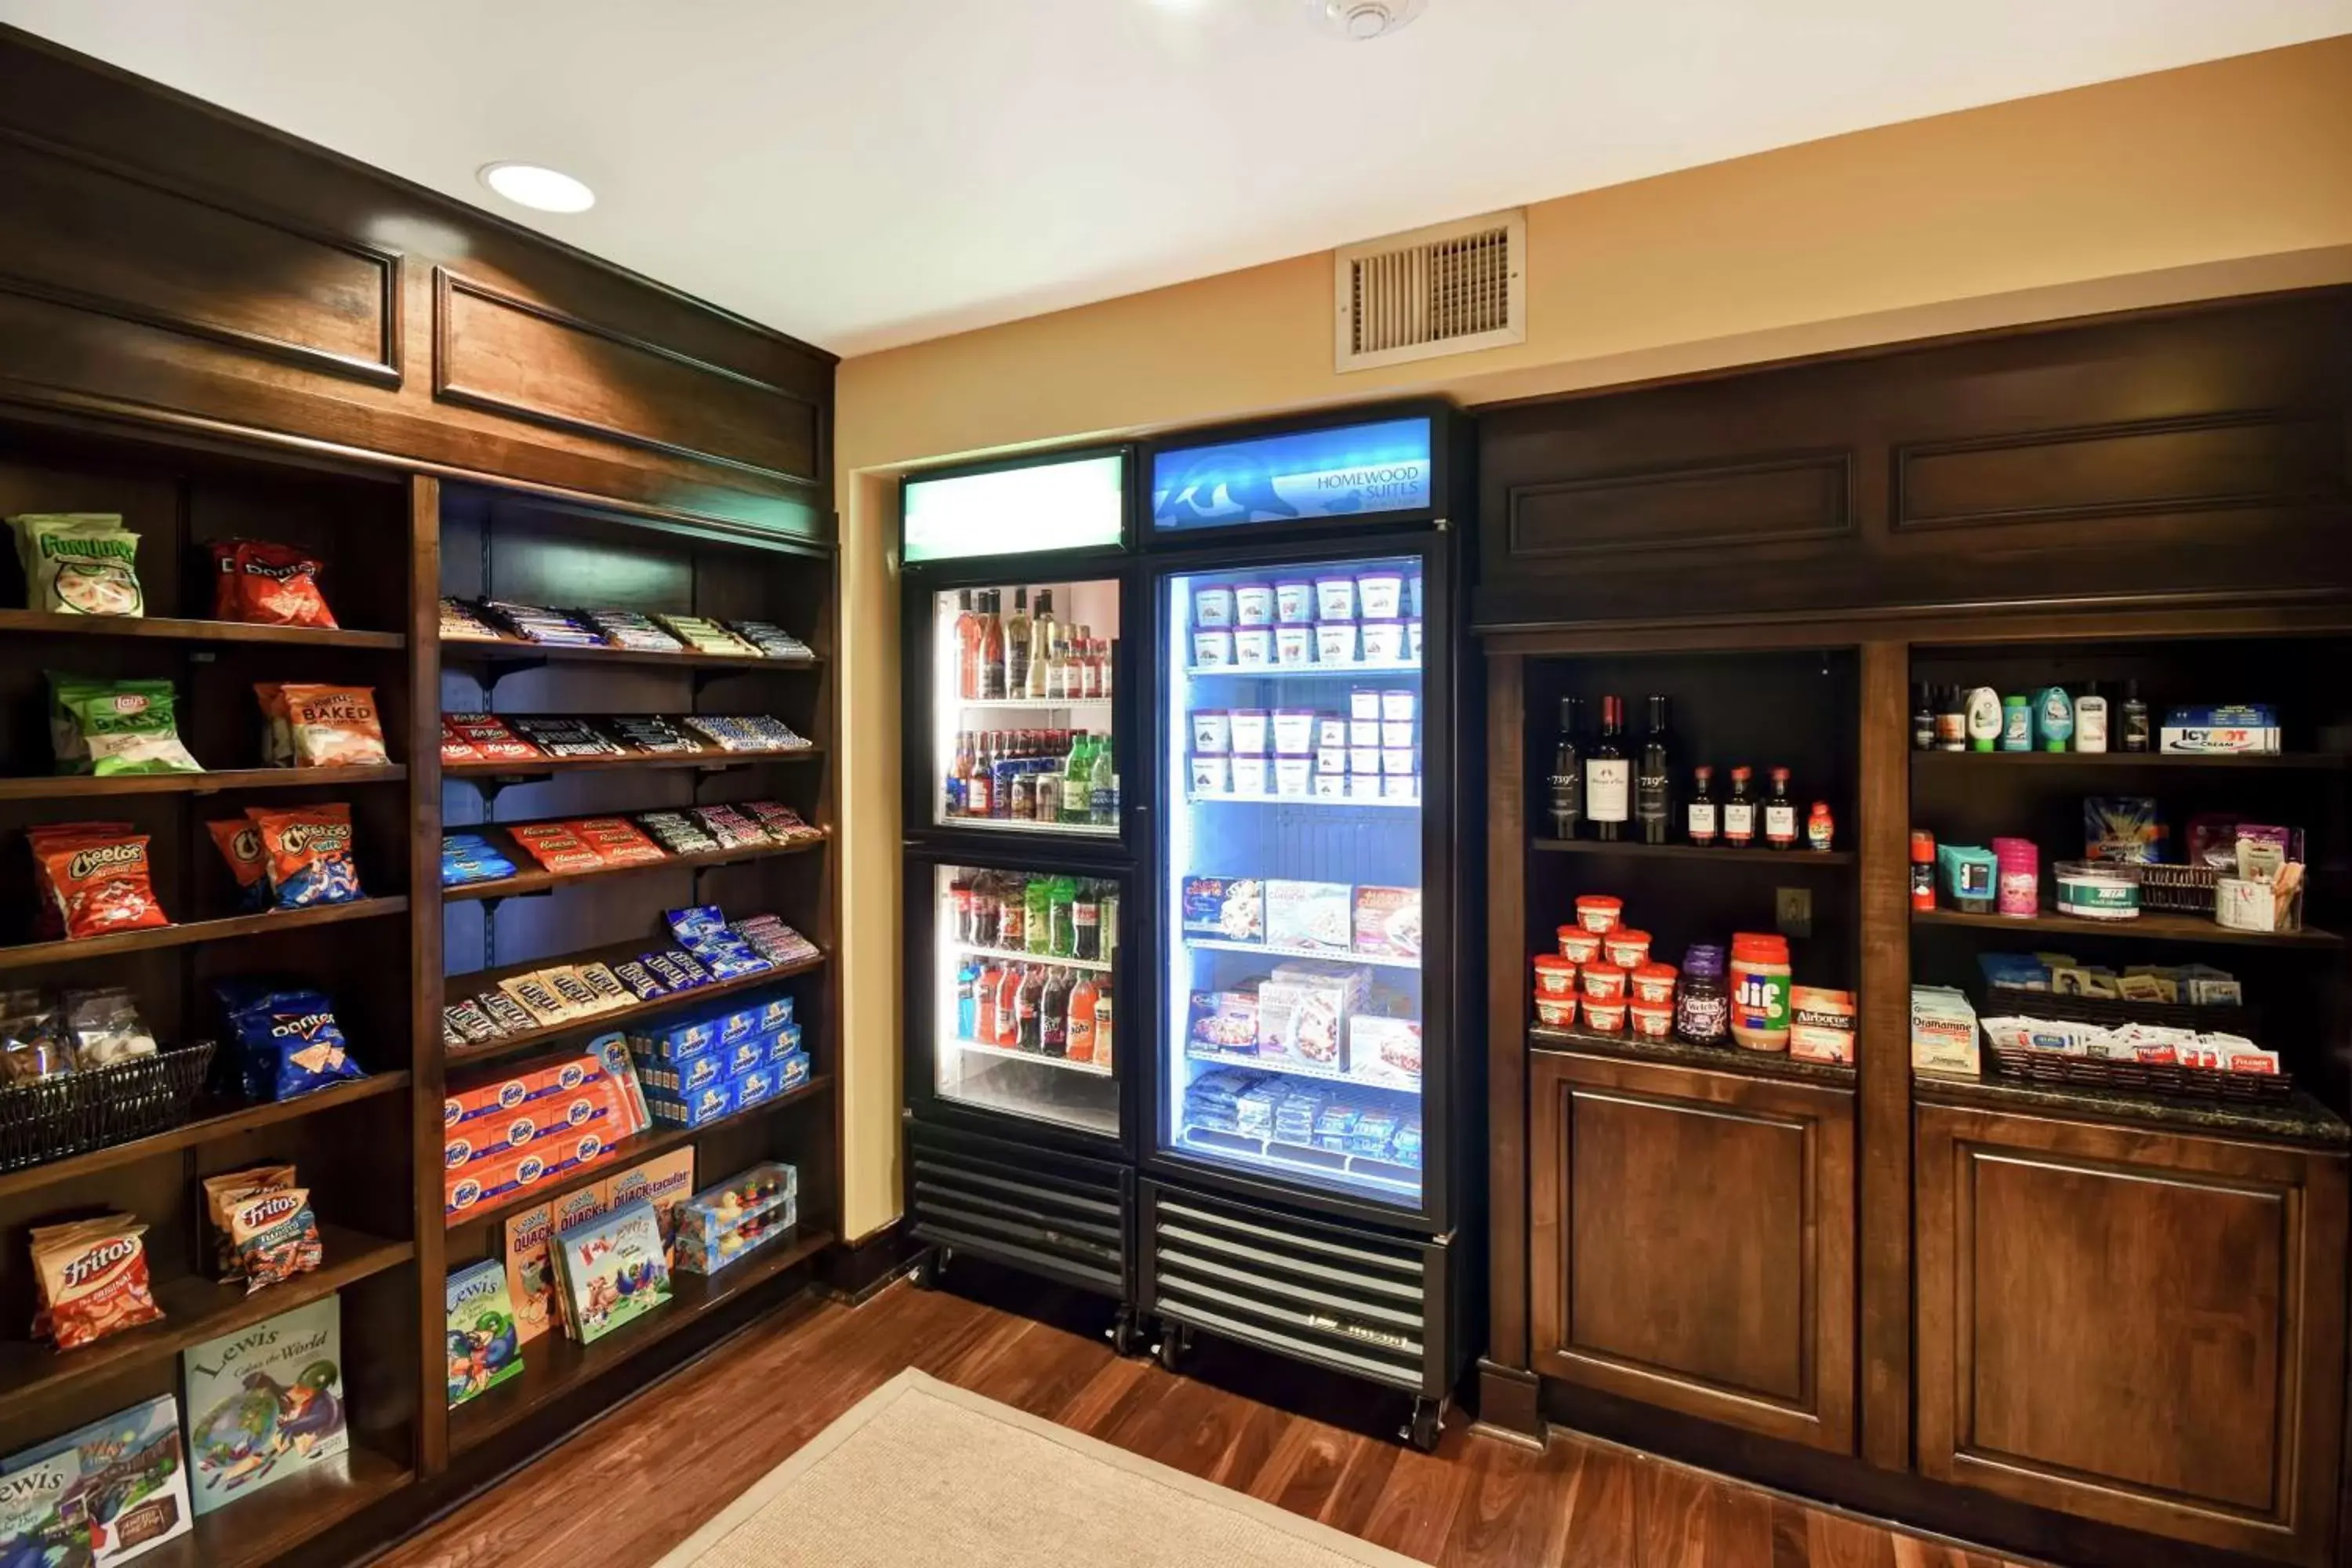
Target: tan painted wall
{"type": "Point", "coordinates": [2225, 178]}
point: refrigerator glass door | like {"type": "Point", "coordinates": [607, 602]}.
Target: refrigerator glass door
{"type": "Point", "coordinates": [1022, 709]}
{"type": "Point", "coordinates": [1294, 1001]}
{"type": "Point", "coordinates": [1026, 969]}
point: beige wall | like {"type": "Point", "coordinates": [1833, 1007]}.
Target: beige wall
{"type": "Point", "coordinates": [2225, 178]}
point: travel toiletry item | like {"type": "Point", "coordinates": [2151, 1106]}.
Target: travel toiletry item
{"type": "Point", "coordinates": [1984, 719]}
{"type": "Point", "coordinates": [2091, 719]}
{"type": "Point", "coordinates": [2136, 719]}
{"type": "Point", "coordinates": [2017, 723]}
{"type": "Point", "coordinates": [1951, 721]}
{"type": "Point", "coordinates": [2053, 717]}
{"type": "Point", "coordinates": [2098, 889]}
{"type": "Point", "coordinates": [2019, 869]}
{"type": "Point", "coordinates": [2233, 730]}
{"type": "Point", "coordinates": [1923, 869]}
{"type": "Point", "coordinates": [1969, 876]}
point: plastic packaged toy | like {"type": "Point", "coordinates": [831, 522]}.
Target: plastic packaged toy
{"type": "Point", "coordinates": [724, 1223]}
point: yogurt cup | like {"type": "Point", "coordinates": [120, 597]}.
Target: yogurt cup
{"type": "Point", "coordinates": [1330, 787]}
{"type": "Point", "coordinates": [1603, 1015]}
{"type": "Point", "coordinates": [1294, 777]}
{"type": "Point", "coordinates": [1364, 702]}
{"type": "Point", "coordinates": [1380, 595]}
{"type": "Point", "coordinates": [1336, 642]}
{"type": "Point", "coordinates": [1596, 912]}
{"type": "Point", "coordinates": [1248, 726]}
{"type": "Point", "coordinates": [1331, 760]}
{"type": "Point", "coordinates": [1253, 647]}
{"type": "Point", "coordinates": [1655, 983]}
{"type": "Point", "coordinates": [1249, 775]}
{"type": "Point", "coordinates": [1651, 1021]}
{"type": "Point", "coordinates": [1577, 944]}
{"type": "Point", "coordinates": [1383, 641]}
{"type": "Point", "coordinates": [1399, 762]}
{"type": "Point", "coordinates": [1363, 731]}
{"type": "Point", "coordinates": [1330, 729]}
{"type": "Point", "coordinates": [1294, 601]}
{"type": "Point", "coordinates": [1213, 650]}
{"type": "Point", "coordinates": [1294, 645]}
{"type": "Point", "coordinates": [1556, 1012]}
{"type": "Point", "coordinates": [1213, 774]}
{"type": "Point", "coordinates": [1412, 642]}
{"type": "Point", "coordinates": [1604, 983]}
{"type": "Point", "coordinates": [1396, 731]}
{"type": "Point", "coordinates": [1294, 732]}
{"type": "Point", "coordinates": [1398, 703]}
{"type": "Point", "coordinates": [1335, 598]}
{"type": "Point", "coordinates": [1253, 605]}
{"type": "Point", "coordinates": [1213, 731]}
{"type": "Point", "coordinates": [1213, 607]}
{"type": "Point", "coordinates": [1364, 760]}
{"type": "Point", "coordinates": [1555, 976]}
{"type": "Point", "coordinates": [1413, 595]}
{"type": "Point", "coordinates": [1626, 948]}
{"type": "Point", "coordinates": [1399, 787]}
{"type": "Point", "coordinates": [1364, 787]}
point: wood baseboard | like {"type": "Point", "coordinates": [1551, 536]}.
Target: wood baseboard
{"type": "Point", "coordinates": [1509, 1405]}
{"type": "Point", "coordinates": [855, 1271]}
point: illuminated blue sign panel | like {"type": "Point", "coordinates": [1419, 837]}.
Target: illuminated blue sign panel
{"type": "Point", "coordinates": [1357, 470]}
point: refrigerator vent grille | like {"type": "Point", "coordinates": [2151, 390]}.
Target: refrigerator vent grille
{"type": "Point", "coordinates": [1029, 1219]}
{"type": "Point", "coordinates": [1348, 1300]}
{"type": "Point", "coordinates": [1453, 288]}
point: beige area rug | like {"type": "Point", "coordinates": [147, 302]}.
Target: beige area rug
{"type": "Point", "coordinates": [922, 1472]}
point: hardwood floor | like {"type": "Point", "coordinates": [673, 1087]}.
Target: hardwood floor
{"type": "Point", "coordinates": [625, 1491]}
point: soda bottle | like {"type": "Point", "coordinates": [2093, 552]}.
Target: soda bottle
{"type": "Point", "coordinates": [1031, 1004]}
{"type": "Point", "coordinates": [1061, 900]}
{"type": "Point", "coordinates": [1012, 917]}
{"type": "Point", "coordinates": [1054, 1015]}
{"type": "Point", "coordinates": [1080, 1033]}
{"type": "Point", "coordinates": [1086, 921]}
{"type": "Point", "coordinates": [1102, 1029]}
{"type": "Point", "coordinates": [1038, 919]}
{"type": "Point", "coordinates": [1006, 1012]}
{"type": "Point", "coordinates": [967, 999]}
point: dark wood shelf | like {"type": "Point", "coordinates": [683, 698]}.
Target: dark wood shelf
{"type": "Point", "coordinates": [2284, 762]}
{"type": "Point", "coordinates": [462, 652]}
{"type": "Point", "coordinates": [2151, 926]}
{"type": "Point", "coordinates": [164, 628]}
{"type": "Point", "coordinates": [474, 982]}
{"type": "Point", "coordinates": [300, 1508]}
{"type": "Point", "coordinates": [74, 786]}
{"type": "Point", "coordinates": [2298, 1119]}
{"type": "Point", "coordinates": [553, 1364]}
{"type": "Point", "coordinates": [194, 1310]}
{"type": "Point", "coordinates": [547, 882]}
{"type": "Point", "coordinates": [1681, 1053]}
{"type": "Point", "coordinates": [709, 761]}
{"type": "Point", "coordinates": [205, 1128]}
{"type": "Point", "coordinates": [1751, 857]}
{"type": "Point", "coordinates": [35, 954]}
{"type": "Point", "coordinates": [629, 1151]}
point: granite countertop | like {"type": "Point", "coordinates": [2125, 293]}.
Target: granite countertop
{"type": "Point", "coordinates": [1681, 1053]}
{"type": "Point", "coordinates": [2298, 1119]}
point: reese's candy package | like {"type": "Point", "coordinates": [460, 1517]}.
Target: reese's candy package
{"type": "Point", "coordinates": [239, 842]}
{"type": "Point", "coordinates": [307, 850]}
{"type": "Point", "coordinates": [267, 584]}
{"type": "Point", "coordinates": [92, 880]}
{"type": "Point", "coordinates": [275, 1236]}
{"type": "Point", "coordinates": [315, 726]}
{"type": "Point", "coordinates": [92, 1279]}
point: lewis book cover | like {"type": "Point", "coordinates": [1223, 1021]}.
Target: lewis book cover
{"type": "Point", "coordinates": [264, 1403]}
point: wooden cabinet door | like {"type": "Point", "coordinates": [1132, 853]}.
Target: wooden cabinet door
{"type": "Point", "coordinates": [1692, 1241]}
{"type": "Point", "coordinates": [2141, 1328]}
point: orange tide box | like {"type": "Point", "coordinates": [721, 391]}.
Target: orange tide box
{"type": "Point", "coordinates": [599, 1105]}
{"type": "Point", "coordinates": [607, 1061]}
{"type": "Point", "coordinates": [495, 1180]}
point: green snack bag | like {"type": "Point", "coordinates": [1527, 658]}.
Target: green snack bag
{"type": "Point", "coordinates": [78, 563]}
{"type": "Point", "coordinates": [123, 727]}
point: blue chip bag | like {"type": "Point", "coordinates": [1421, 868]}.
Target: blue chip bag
{"type": "Point", "coordinates": [471, 858]}
{"type": "Point", "coordinates": [289, 1044]}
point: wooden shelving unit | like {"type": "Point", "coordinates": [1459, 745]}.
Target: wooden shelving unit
{"type": "Point", "coordinates": [527, 881]}
{"type": "Point", "coordinates": [2149, 925]}
{"type": "Point", "coordinates": [167, 628]}
{"type": "Point", "coordinates": [1793, 859]}
{"type": "Point", "coordinates": [42, 954]}
{"type": "Point", "coordinates": [221, 781]}
{"type": "Point", "coordinates": [704, 761]}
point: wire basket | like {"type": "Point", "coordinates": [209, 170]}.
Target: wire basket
{"type": "Point", "coordinates": [2179, 1082]}
{"type": "Point", "coordinates": [76, 1112]}
{"type": "Point", "coordinates": [2178, 889]}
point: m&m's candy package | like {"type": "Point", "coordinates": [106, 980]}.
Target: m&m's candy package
{"type": "Point", "coordinates": [267, 584]}
{"type": "Point", "coordinates": [316, 726]}
{"type": "Point", "coordinates": [91, 880]}
{"type": "Point", "coordinates": [288, 1042]}
{"type": "Point", "coordinates": [92, 1279]}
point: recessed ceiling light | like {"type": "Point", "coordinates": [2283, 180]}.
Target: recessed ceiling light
{"type": "Point", "coordinates": [548, 190]}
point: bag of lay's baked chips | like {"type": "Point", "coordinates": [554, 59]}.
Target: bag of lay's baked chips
{"type": "Point", "coordinates": [306, 853]}
{"type": "Point", "coordinates": [315, 726]}
{"type": "Point", "coordinates": [110, 727]}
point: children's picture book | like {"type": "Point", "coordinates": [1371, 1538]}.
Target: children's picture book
{"type": "Point", "coordinates": [99, 1496]}
{"type": "Point", "coordinates": [264, 1403]}
{"type": "Point", "coordinates": [612, 1270]}
{"type": "Point", "coordinates": [664, 1181]}
{"type": "Point", "coordinates": [483, 1349]}
{"type": "Point", "coordinates": [530, 1284]}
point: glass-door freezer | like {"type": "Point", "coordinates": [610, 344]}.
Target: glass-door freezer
{"type": "Point", "coordinates": [1292, 758]}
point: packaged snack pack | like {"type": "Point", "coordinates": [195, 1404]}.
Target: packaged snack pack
{"type": "Point", "coordinates": [80, 564]}
{"type": "Point", "coordinates": [92, 1279]}
{"type": "Point", "coordinates": [239, 842]}
{"type": "Point", "coordinates": [231, 1188]}
{"type": "Point", "coordinates": [112, 727]}
{"type": "Point", "coordinates": [460, 623]}
{"type": "Point", "coordinates": [471, 858]}
{"type": "Point", "coordinates": [307, 852]}
{"type": "Point", "coordinates": [275, 1236]}
{"type": "Point", "coordinates": [288, 1041]}
{"type": "Point", "coordinates": [92, 880]}
{"type": "Point", "coordinates": [267, 584]}
{"type": "Point", "coordinates": [317, 726]}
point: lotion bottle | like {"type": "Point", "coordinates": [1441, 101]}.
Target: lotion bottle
{"type": "Point", "coordinates": [2091, 721]}
{"type": "Point", "coordinates": [2053, 717]}
{"type": "Point", "coordinates": [1984, 719]}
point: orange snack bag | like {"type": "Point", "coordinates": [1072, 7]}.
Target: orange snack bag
{"type": "Point", "coordinates": [93, 1281]}
{"type": "Point", "coordinates": [92, 879]}
{"type": "Point", "coordinates": [332, 726]}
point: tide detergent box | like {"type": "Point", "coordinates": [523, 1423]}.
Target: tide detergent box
{"type": "Point", "coordinates": [504, 1175]}
{"type": "Point", "coordinates": [502, 1097]}
{"type": "Point", "coordinates": [597, 1107]}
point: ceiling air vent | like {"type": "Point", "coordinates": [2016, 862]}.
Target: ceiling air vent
{"type": "Point", "coordinates": [1449, 290]}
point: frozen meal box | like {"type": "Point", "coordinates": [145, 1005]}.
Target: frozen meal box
{"type": "Point", "coordinates": [1228, 908]}
{"type": "Point", "coordinates": [1384, 1050]}
{"type": "Point", "coordinates": [1312, 917]}
{"type": "Point", "coordinates": [1222, 1022]}
{"type": "Point", "coordinates": [1388, 922]}
{"type": "Point", "coordinates": [1302, 1018]}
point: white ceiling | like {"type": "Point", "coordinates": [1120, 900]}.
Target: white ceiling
{"type": "Point", "coordinates": [869, 172]}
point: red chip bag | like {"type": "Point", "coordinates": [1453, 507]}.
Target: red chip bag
{"type": "Point", "coordinates": [92, 1281]}
{"type": "Point", "coordinates": [92, 879]}
{"type": "Point", "coordinates": [267, 584]}
{"type": "Point", "coordinates": [240, 844]}
{"type": "Point", "coordinates": [330, 726]}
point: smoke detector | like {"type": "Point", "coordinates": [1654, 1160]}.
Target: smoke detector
{"type": "Point", "coordinates": [1360, 21]}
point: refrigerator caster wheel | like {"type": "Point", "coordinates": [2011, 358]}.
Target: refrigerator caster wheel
{"type": "Point", "coordinates": [925, 1274]}
{"type": "Point", "coordinates": [1428, 1421]}
{"type": "Point", "coordinates": [1174, 1340]}
{"type": "Point", "coordinates": [1124, 1339]}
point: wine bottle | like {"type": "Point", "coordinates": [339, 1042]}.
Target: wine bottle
{"type": "Point", "coordinates": [1654, 786]}
{"type": "Point", "coordinates": [1609, 775]}
{"type": "Point", "coordinates": [1566, 783]}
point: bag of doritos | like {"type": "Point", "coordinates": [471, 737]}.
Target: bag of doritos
{"type": "Point", "coordinates": [315, 726]}
{"type": "Point", "coordinates": [91, 880]}
{"type": "Point", "coordinates": [289, 1043]}
{"type": "Point", "coordinates": [240, 844]}
{"type": "Point", "coordinates": [306, 851]}
{"type": "Point", "coordinates": [267, 584]}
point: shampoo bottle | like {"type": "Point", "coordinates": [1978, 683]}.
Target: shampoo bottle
{"type": "Point", "coordinates": [2091, 721]}
{"type": "Point", "coordinates": [2053, 717]}
{"type": "Point", "coordinates": [1984, 719]}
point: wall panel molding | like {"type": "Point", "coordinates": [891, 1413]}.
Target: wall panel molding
{"type": "Point", "coordinates": [1772, 500]}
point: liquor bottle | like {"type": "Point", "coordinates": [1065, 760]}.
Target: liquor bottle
{"type": "Point", "coordinates": [1739, 812]}
{"type": "Point", "coordinates": [992, 650]}
{"type": "Point", "coordinates": [966, 642]}
{"type": "Point", "coordinates": [1032, 1002]}
{"type": "Point", "coordinates": [1105, 660]}
{"type": "Point", "coordinates": [1086, 923]}
{"type": "Point", "coordinates": [1016, 646]}
{"type": "Point", "coordinates": [1102, 1029]}
{"type": "Point", "coordinates": [1089, 671]}
{"type": "Point", "coordinates": [978, 785]}
{"type": "Point", "coordinates": [1054, 1015]}
{"type": "Point", "coordinates": [1607, 775]}
{"type": "Point", "coordinates": [1780, 813]}
{"type": "Point", "coordinates": [1705, 827]}
{"type": "Point", "coordinates": [1040, 663]}
{"type": "Point", "coordinates": [1038, 918]}
{"type": "Point", "coordinates": [1079, 1039]}
{"type": "Point", "coordinates": [1566, 783]}
{"type": "Point", "coordinates": [1102, 795]}
{"type": "Point", "coordinates": [1652, 787]}
{"type": "Point", "coordinates": [951, 800]}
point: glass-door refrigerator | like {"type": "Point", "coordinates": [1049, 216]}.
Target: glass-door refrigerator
{"type": "Point", "coordinates": [1019, 875]}
{"type": "Point", "coordinates": [1305, 1154]}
